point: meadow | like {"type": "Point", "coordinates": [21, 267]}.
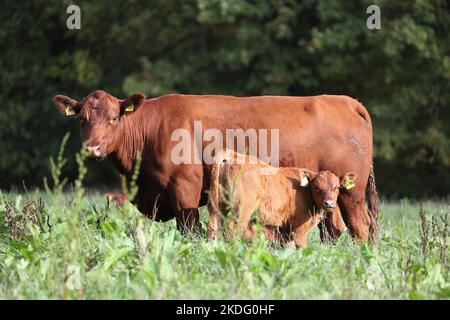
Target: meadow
{"type": "Point", "coordinates": [67, 242]}
{"type": "Point", "coordinates": [67, 245]}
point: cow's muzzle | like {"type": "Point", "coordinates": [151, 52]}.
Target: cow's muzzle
{"type": "Point", "coordinates": [94, 151]}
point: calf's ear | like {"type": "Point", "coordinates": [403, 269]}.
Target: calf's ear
{"type": "Point", "coordinates": [306, 176]}
{"type": "Point", "coordinates": [348, 180]}
{"type": "Point", "coordinates": [65, 105]}
{"type": "Point", "coordinates": [131, 103]}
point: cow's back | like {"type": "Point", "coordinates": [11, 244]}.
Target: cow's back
{"type": "Point", "coordinates": [310, 128]}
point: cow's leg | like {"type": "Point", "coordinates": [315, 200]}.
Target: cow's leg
{"type": "Point", "coordinates": [155, 204]}
{"type": "Point", "coordinates": [332, 226]}
{"type": "Point", "coordinates": [337, 222]}
{"type": "Point", "coordinates": [324, 228]}
{"type": "Point", "coordinates": [354, 213]}
{"type": "Point", "coordinates": [188, 220]}
{"type": "Point", "coordinates": [185, 200]}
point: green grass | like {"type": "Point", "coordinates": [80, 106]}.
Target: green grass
{"type": "Point", "coordinates": [123, 255]}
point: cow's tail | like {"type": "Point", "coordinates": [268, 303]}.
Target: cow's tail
{"type": "Point", "coordinates": [373, 204]}
{"type": "Point", "coordinates": [214, 198]}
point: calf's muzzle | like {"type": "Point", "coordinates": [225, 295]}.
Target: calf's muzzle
{"type": "Point", "coordinates": [329, 204]}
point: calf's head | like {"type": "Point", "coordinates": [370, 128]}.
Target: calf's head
{"type": "Point", "coordinates": [325, 185]}
{"type": "Point", "coordinates": [101, 117]}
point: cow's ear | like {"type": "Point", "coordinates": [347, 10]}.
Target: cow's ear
{"type": "Point", "coordinates": [348, 180]}
{"type": "Point", "coordinates": [131, 103]}
{"type": "Point", "coordinates": [65, 105]}
{"type": "Point", "coordinates": [306, 176]}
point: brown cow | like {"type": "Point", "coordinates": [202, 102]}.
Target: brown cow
{"type": "Point", "coordinates": [290, 200]}
{"type": "Point", "coordinates": [319, 133]}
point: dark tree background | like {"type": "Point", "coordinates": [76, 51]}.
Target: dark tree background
{"type": "Point", "coordinates": [239, 47]}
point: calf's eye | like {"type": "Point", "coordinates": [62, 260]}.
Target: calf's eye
{"type": "Point", "coordinates": [113, 120]}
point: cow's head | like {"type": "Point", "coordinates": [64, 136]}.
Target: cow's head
{"type": "Point", "coordinates": [100, 116]}
{"type": "Point", "coordinates": [325, 185]}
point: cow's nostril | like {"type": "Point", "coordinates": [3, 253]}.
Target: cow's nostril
{"type": "Point", "coordinates": [329, 204]}
{"type": "Point", "coordinates": [93, 150]}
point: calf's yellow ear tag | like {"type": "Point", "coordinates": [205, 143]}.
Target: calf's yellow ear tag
{"type": "Point", "coordinates": [349, 183]}
{"type": "Point", "coordinates": [304, 182]}
{"type": "Point", "coordinates": [129, 108]}
{"type": "Point", "coordinates": [70, 111]}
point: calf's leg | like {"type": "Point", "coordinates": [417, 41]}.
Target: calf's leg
{"type": "Point", "coordinates": [240, 222]}
{"type": "Point", "coordinates": [301, 228]}
{"type": "Point", "coordinates": [271, 233]}
{"type": "Point", "coordinates": [214, 224]}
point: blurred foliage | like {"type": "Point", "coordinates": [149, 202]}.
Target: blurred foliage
{"type": "Point", "coordinates": [239, 47]}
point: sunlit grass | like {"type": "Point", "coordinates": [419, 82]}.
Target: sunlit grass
{"type": "Point", "coordinates": [118, 253]}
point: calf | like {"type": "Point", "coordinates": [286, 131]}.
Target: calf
{"type": "Point", "coordinates": [324, 187]}
{"type": "Point", "coordinates": [291, 200]}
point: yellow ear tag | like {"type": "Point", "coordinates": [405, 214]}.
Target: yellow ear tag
{"type": "Point", "coordinates": [349, 183]}
{"type": "Point", "coordinates": [304, 182]}
{"type": "Point", "coordinates": [70, 111]}
{"type": "Point", "coordinates": [129, 108]}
